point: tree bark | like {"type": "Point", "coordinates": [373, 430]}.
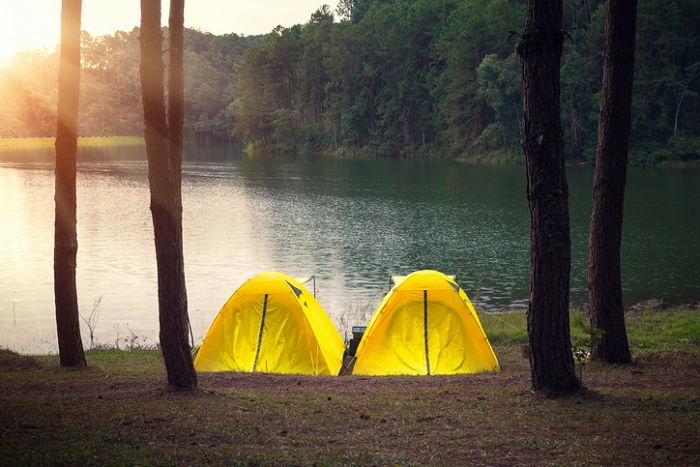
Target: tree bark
{"type": "Point", "coordinates": [70, 345]}
{"type": "Point", "coordinates": [551, 360]}
{"type": "Point", "coordinates": [604, 275]}
{"type": "Point", "coordinates": [164, 150]}
{"type": "Point", "coordinates": [176, 97]}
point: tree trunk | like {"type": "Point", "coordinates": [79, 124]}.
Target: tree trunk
{"type": "Point", "coordinates": [164, 150]}
{"type": "Point", "coordinates": [70, 345]}
{"type": "Point", "coordinates": [604, 276]}
{"type": "Point", "coordinates": [551, 360]}
{"type": "Point", "coordinates": [176, 97]}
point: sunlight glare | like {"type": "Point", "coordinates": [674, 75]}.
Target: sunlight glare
{"type": "Point", "coordinates": [23, 26]}
{"type": "Point", "coordinates": [36, 24]}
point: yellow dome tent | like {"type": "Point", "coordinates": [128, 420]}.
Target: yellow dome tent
{"type": "Point", "coordinates": [272, 324]}
{"type": "Point", "coordinates": [425, 325]}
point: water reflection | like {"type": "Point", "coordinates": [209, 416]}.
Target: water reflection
{"type": "Point", "coordinates": [351, 223]}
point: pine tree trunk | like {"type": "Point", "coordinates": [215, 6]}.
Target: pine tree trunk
{"type": "Point", "coordinates": [70, 345]}
{"type": "Point", "coordinates": [176, 97]}
{"type": "Point", "coordinates": [551, 360]}
{"type": "Point", "coordinates": [604, 275]}
{"type": "Point", "coordinates": [164, 151]}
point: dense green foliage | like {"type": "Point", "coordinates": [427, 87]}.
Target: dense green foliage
{"type": "Point", "coordinates": [442, 76]}
{"type": "Point", "coordinates": [387, 77]}
{"type": "Point", "coordinates": [110, 96]}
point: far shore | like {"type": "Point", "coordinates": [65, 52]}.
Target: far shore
{"type": "Point", "coordinates": [13, 144]}
{"type": "Point", "coordinates": [490, 158]}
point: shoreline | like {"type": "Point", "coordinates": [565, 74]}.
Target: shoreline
{"type": "Point", "coordinates": [490, 158]}
{"type": "Point", "coordinates": [680, 321]}
{"type": "Point", "coordinates": [20, 144]}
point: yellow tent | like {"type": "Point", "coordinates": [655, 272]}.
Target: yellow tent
{"type": "Point", "coordinates": [424, 325]}
{"type": "Point", "coordinates": [272, 324]}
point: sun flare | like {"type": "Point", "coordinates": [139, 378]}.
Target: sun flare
{"type": "Point", "coordinates": [21, 28]}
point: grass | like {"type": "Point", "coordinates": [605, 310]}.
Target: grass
{"type": "Point", "coordinates": [14, 144]}
{"type": "Point", "coordinates": [118, 412]}
{"type": "Point", "coordinates": [499, 157]}
{"type": "Point", "coordinates": [510, 328]}
{"type": "Point", "coordinates": [694, 164]}
{"type": "Point", "coordinates": [668, 329]}
{"type": "Point", "coordinates": [674, 328]}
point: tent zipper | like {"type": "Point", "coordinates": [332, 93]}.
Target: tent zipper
{"type": "Point", "coordinates": [260, 334]}
{"type": "Point", "coordinates": [425, 331]}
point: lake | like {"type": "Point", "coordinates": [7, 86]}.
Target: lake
{"type": "Point", "coordinates": [350, 223]}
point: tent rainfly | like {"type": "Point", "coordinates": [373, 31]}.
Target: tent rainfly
{"type": "Point", "coordinates": [425, 325]}
{"type": "Point", "coordinates": [272, 324]}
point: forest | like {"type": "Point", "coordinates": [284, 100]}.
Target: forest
{"type": "Point", "coordinates": [385, 77]}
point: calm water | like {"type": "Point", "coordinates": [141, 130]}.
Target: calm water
{"type": "Point", "coordinates": [350, 223]}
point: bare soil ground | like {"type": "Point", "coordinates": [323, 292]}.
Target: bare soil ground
{"type": "Point", "coordinates": [119, 412]}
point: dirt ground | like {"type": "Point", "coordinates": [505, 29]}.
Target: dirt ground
{"type": "Point", "coordinates": [117, 413]}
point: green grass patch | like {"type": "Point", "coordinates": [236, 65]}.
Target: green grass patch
{"type": "Point", "coordinates": [16, 144]}
{"type": "Point", "coordinates": [135, 362]}
{"type": "Point", "coordinates": [496, 157]}
{"type": "Point", "coordinates": [664, 329]}
{"type": "Point", "coordinates": [509, 328]}
{"type": "Point", "coordinates": [647, 329]}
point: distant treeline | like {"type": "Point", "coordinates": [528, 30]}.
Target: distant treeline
{"type": "Point", "coordinates": [110, 93]}
{"type": "Point", "coordinates": [390, 77]}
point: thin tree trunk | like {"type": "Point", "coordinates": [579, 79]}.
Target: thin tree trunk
{"type": "Point", "coordinates": [176, 92]}
{"type": "Point", "coordinates": [551, 360]}
{"type": "Point", "coordinates": [679, 102]}
{"type": "Point", "coordinates": [604, 275]}
{"type": "Point", "coordinates": [70, 345]}
{"type": "Point", "coordinates": [164, 149]}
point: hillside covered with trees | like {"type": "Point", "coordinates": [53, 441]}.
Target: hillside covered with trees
{"type": "Point", "coordinates": [389, 77]}
{"type": "Point", "coordinates": [110, 94]}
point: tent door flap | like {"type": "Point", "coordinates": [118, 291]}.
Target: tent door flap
{"type": "Point", "coordinates": [260, 334]}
